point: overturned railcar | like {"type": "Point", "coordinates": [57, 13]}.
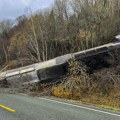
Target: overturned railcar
{"type": "Point", "coordinates": [94, 58]}
{"type": "Point", "coordinates": [54, 68]}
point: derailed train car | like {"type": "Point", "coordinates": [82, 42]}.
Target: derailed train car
{"type": "Point", "coordinates": [94, 58]}
{"type": "Point", "coordinates": [54, 68]}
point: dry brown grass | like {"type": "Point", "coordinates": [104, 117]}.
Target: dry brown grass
{"type": "Point", "coordinates": [76, 85]}
{"type": "Point", "coordinates": [101, 88]}
{"type": "Point", "coordinates": [110, 102]}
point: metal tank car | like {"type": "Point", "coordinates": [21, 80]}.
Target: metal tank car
{"type": "Point", "coordinates": [117, 38]}
{"type": "Point", "coordinates": [94, 58]}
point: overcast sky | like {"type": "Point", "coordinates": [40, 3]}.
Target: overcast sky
{"type": "Point", "coordinates": [10, 9]}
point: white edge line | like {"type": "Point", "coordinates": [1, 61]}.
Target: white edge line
{"type": "Point", "coordinates": [78, 106]}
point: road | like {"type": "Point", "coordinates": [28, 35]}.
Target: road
{"type": "Point", "coordinates": [21, 107]}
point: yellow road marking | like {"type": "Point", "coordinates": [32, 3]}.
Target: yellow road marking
{"type": "Point", "coordinates": [7, 108]}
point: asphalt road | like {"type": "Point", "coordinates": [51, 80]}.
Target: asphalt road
{"type": "Point", "coordinates": [29, 108]}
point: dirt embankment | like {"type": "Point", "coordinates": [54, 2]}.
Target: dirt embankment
{"type": "Point", "coordinates": [100, 88]}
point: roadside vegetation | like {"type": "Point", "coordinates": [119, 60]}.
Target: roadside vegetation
{"type": "Point", "coordinates": [100, 88]}
{"type": "Point", "coordinates": [68, 26]}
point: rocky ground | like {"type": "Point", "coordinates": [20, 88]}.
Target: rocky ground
{"type": "Point", "coordinates": [33, 89]}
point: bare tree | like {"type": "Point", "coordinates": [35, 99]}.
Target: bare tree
{"type": "Point", "coordinates": [33, 35]}
{"type": "Point", "coordinates": [5, 27]}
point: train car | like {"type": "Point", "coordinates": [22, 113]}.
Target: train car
{"type": "Point", "coordinates": [117, 38]}
{"type": "Point", "coordinates": [94, 58]}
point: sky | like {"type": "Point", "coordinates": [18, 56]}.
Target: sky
{"type": "Point", "coordinates": [11, 9]}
